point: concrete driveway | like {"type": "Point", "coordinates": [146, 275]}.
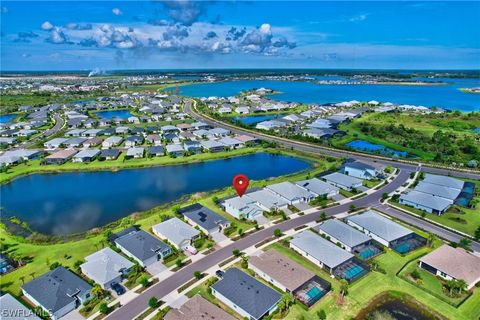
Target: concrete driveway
{"type": "Point", "coordinates": [302, 206]}
{"type": "Point", "coordinates": [156, 268]}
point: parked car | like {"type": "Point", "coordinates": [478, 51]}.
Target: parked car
{"type": "Point", "coordinates": [118, 288]}
{"type": "Point", "coordinates": [219, 273]}
{"type": "Point", "coordinates": [191, 249]}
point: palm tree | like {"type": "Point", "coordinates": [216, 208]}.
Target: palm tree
{"type": "Point", "coordinates": [431, 239]}
{"type": "Point", "coordinates": [461, 286]}
{"type": "Point", "coordinates": [285, 302]}
{"type": "Point", "coordinates": [32, 274]}
{"type": "Point", "coordinates": [451, 284]}
{"type": "Point", "coordinates": [343, 287]}
{"type": "Point", "coordinates": [22, 278]}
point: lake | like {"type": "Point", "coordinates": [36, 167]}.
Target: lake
{"type": "Point", "coordinates": [445, 96]}
{"type": "Point", "coordinates": [123, 114]}
{"type": "Point", "coordinates": [7, 118]}
{"type": "Point", "coordinates": [362, 145]}
{"type": "Point", "coordinates": [251, 120]}
{"type": "Point", "coordinates": [77, 201]}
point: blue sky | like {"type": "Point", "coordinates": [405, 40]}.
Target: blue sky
{"type": "Point", "coordinates": [81, 35]}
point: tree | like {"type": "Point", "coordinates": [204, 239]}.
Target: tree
{"type": "Point", "coordinates": [285, 302]}
{"type": "Point", "coordinates": [352, 207]}
{"type": "Point", "coordinates": [344, 287]}
{"type": "Point", "coordinates": [240, 232]}
{"type": "Point", "coordinates": [323, 216]}
{"type": "Point", "coordinates": [54, 265]}
{"type": "Point", "coordinates": [103, 308]}
{"type": "Point", "coordinates": [384, 196]}
{"type": "Point", "coordinates": [153, 303]}
{"type": "Point", "coordinates": [277, 233]}
{"type": "Point", "coordinates": [321, 314]}
{"type": "Point", "coordinates": [22, 278]}
{"type": "Point", "coordinates": [477, 233]}
{"type": "Point", "coordinates": [198, 275]}
{"type": "Point", "coordinates": [179, 262]}
{"type": "Point", "coordinates": [465, 243]}
{"type": "Point", "coordinates": [97, 291]}
{"type": "Point", "coordinates": [431, 239]}
{"type": "Point", "coordinates": [143, 281]}
{"type": "Point", "coordinates": [236, 252]}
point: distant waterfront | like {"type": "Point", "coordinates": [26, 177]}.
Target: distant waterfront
{"type": "Point", "coordinates": [445, 96]}
{"type": "Point", "coordinates": [74, 202]}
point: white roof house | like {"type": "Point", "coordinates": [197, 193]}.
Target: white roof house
{"type": "Point", "coordinates": [443, 181]}
{"type": "Point", "coordinates": [291, 192]}
{"type": "Point", "coordinates": [425, 201]}
{"type": "Point", "coordinates": [242, 207]}
{"type": "Point", "coordinates": [12, 309]}
{"type": "Point", "coordinates": [318, 187]}
{"type": "Point", "coordinates": [267, 199]}
{"type": "Point", "coordinates": [106, 267]}
{"type": "Point", "coordinates": [135, 152]}
{"type": "Point", "coordinates": [342, 180]}
{"type": "Point", "coordinates": [177, 232]}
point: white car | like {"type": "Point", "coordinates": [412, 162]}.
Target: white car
{"type": "Point", "coordinates": [191, 249]}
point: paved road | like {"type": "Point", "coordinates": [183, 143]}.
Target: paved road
{"type": "Point", "coordinates": [302, 146]}
{"type": "Point", "coordinates": [59, 122]}
{"type": "Point", "coordinates": [136, 306]}
{"type": "Point", "coordinates": [425, 225]}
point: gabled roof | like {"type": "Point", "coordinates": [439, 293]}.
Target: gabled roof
{"type": "Point", "coordinates": [321, 249]}
{"type": "Point", "coordinates": [247, 292]}
{"type": "Point", "coordinates": [56, 289]}
{"type": "Point", "coordinates": [380, 225]}
{"type": "Point", "coordinates": [141, 244]}
{"type": "Point", "coordinates": [289, 190]}
{"type": "Point", "coordinates": [426, 200]}
{"type": "Point", "coordinates": [267, 198]}
{"type": "Point", "coordinates": [343, 232]}
{"type": "Point", "coordinates": [105, 265]}
{"type": "Point", "coordinates": [443, 181]}
{"type": "Point", "coordinates": [203, 216]}
{"type": "Point", "coordinates": [342, 179]}
{"type": "Point", "coordinates": [359, 165]}
{"type": "Point", "coordinates": [317, 186]}
{"type": "Point", "coordinates": [438, 190]}
{"type": "Point", "coordinates": [175, 230]}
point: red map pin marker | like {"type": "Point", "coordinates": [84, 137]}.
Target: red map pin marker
{"type": "Point", "coordinates": [240, 183]}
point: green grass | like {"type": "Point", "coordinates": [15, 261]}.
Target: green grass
{"type": "Point", "coordinates": [34, 166]}
{"type": "Point", "coordinates": [364, 290]}
{"type": "Point", "coordinates": [429, 282]}
{"type": "Point", "coordinates": [471, 216]}
{"type": "Point", "coordinates": [42, 255]}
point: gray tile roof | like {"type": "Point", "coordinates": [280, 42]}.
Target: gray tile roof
{"type": "Point", "coordinates": [87, 153]}
{"type": "Point", "coordinates": [438, 190]}
{"type": "Point", "coordinates": [321, 249]}
{"type": "Point", "coordinates": [267, 198]}
{"type": "Point", "coordinates": [203, 216]}
{"type": "Point", "coordinates": [175, 230]}
{"type": "Point", "coordinates": [379, 225]}
{"type": "Point", "coordinates": [426, 200]}
{"type": "Point", "coordinates": [317, 186]}
{"type": "Point", "coordinates": [141, 244]}
{"type": "Point", "coordinates": [56, 289]}
{"type": "Point", "coordinates": [343, 232]}
{"type": "Point", "coordinates": [289, 190]}
{"type": "Point", "coordinates": [246, 292]}
{"type": "Point", "coordinates": [342, 179]}
{"type": "Point", "coordinates": [443, 181]}
{"type": "Point", "coordinates": [105, 265]}
{"type": "Point", "coordinates": [10, 307]}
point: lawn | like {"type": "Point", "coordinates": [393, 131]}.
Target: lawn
{"type": "Point", "coordinates": [429, 282]}
{"type": "Point", "coordinates": [469, 221]}
{"type": "Point", "coordinates": [41, 256]}
{"type": "Point", "coordinates": [113, 165]}
{"type": "Point", "coordinates": [364, 290]}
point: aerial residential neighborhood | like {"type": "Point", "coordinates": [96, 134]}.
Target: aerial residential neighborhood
{"type": "Point", "coordinates": [212, 160]}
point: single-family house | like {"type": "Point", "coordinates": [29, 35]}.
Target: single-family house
{"type": "Point", "coordinates": [175, 150]}
{"type": "Point", "coordinates": [156, 151]}
{"type": "Point", "coordinates": [177, 232]}
{"type": "Point", "coordinates": [132, 141]}
{"type": "Point", "coordinates": [135, 152]}
{"type": "Point", "coordinates": [242, 207]}
{"type": "Point", "coordinates": [359, 170]}
{"type": "Point", "coordinates": [192, 146]}
{"type": "Point", "coordinates": [142, 247]}
{"type": "Point", "coordinates": [291, 192]}
{"type": "Point", "coordinates": [106, 267]}
{"type": "Point", "coordinates": [58, 292]}
{"type": "Point", "coordinates": [318, 187]}
{"type": "Point", "coordinates": [343, 181]}
{"type": "Point", "coordinates": [197, 308]}
{"type": "Point", "coordinates": [425, 201]}
{"type": "Point", "coordinates": [207, 220]}
{"type": "Point", "coordinates": [246, 295]}
{"type": "Point", "coordinates": [112, 141]}
{"type": "Point", "coordinates": [154, 139]}
{"type": "Point", "coordinates": [268, 200]}
{"type": "Point", "coordinates": [212, 146]}
{"type": "Point", "coordinates": [109, 154]}
{"type": "Point", "coordinates": [453, 263]}
{"type": "Point", "coordinates": [86, 155]}
{"type": "Point", "coordinates": [231, 143]}
{"type": "Point", "coordinates": [60, 157]}
{"type": "Point", "coordinates": [92, 142]}
{"type": "Point", "coordinates": [342, 234]}
{"type": "Point", "coordinates": [55, 143]}
{"type": "Point", "coordinates": [74, 142]}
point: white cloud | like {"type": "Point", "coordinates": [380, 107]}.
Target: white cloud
{"type": "Point", "coordinates": [47, 25]}
{"type": "Point", "coordinates": [359, 18]}
{"type": "Point", "coordinates": [57, 36]}
{"type": "Point", "coordinates": [117, 11]}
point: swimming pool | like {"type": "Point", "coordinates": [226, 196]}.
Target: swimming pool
{"type": "Point", "coordinates": [314, 294]}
